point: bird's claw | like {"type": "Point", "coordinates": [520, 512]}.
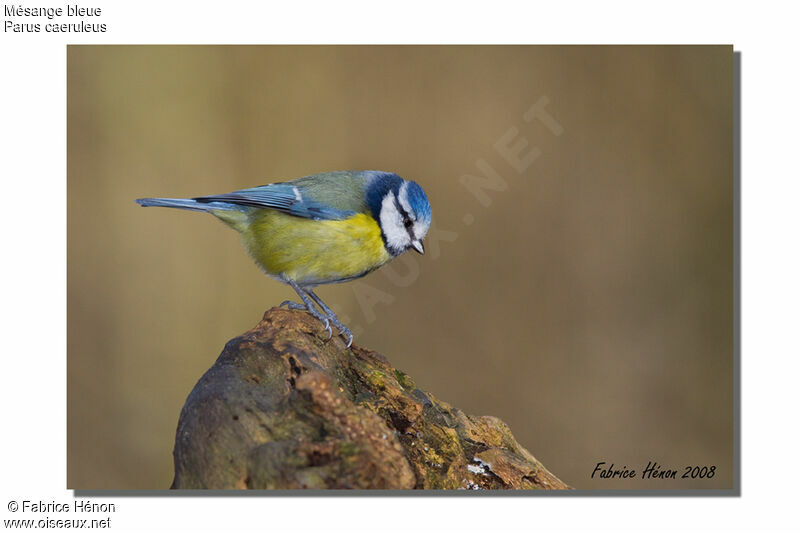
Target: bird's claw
{"type": "Point", "coordinates": [343, 331]}
{"type": "Point", "coordinates": [328, 328]}
{"type": "Point", "coordinates": [324, 320]}
{"type": "Point", "coordinates": [297, 306]}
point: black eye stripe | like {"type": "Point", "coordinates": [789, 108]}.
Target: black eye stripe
{"type": "Point", "coordinates": [407, 222]}
{"type": "Point", "coordinates": [402, 211]}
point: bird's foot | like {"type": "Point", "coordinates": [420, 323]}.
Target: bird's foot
{"type": "Point", "coordinates": [293, 305]}
{"type": "Point", "coordinates": [343, 330]}
{"type": "Point", "coordinates": [312, 310]}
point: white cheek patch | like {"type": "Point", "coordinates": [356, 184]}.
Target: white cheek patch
{"type": "Point", "coordinates": [392, 224]}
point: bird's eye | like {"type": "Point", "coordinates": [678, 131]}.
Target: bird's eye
{"type": "Point", "coordinates": [408, 223]}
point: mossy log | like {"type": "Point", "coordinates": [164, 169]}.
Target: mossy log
{"type": "Point", "coordinates": [285, 408]}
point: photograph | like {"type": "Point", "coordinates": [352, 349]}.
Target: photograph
{"type": "Point", "coordinates": [352, 266]}
{"type": "Point", "coordinates": [401, 269]}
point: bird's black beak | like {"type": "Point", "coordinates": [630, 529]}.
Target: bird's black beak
{"type": "Point", "coordinates": [417, 244]}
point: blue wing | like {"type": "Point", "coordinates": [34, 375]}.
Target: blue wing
{"type": "Point", "coordinates": [285, 197]}
{"type": "Point", "coordinates": [328, 195]}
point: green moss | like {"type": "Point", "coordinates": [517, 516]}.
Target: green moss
{"type": "Point", "coordinates": [348, 448]}
{"type": "Point", "coordinates": [377, 379]}
{"type": "Point", "coordinates": [431, 458]}
{"type": "Point", "coordinates": [447, 442]}
{"type": "Point", "coordinates": [404, 380]}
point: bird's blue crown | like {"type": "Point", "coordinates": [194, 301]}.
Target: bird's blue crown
{"type": "Point", "coordinates": [419, 202]}
{"type": "Point", "coordinates": [383, 182]}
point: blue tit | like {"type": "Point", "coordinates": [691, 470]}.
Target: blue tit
{"type": "Point", "coordinates": [321, 229]}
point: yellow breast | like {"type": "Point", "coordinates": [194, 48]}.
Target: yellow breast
{"type": "Point", "coordinates": [314, 252]}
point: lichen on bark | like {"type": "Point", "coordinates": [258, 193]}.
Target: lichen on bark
{"type": "Point", "coordinates": [285, 408]}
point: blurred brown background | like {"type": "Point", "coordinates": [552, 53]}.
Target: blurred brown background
{"type": "Point", "coordinates": [589, 305]}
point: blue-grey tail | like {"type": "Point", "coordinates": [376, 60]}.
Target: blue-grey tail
{"type": "Point", "coordinates": [185, 204]}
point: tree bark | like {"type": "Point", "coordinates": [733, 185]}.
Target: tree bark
{"type": "Point", "coordinates": [285, 408]}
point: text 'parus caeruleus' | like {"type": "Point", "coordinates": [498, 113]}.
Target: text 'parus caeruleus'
{"type": "Point", "coordinates": [321, 229]}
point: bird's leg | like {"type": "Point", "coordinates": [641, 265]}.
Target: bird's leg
{"type": "Point", "coordinates": [343, 330]}
{"type": "Point", "coordinates": [308, 306]}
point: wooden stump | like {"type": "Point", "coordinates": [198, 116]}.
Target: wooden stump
{"type": "Point", "coordinates": [284, 408]}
